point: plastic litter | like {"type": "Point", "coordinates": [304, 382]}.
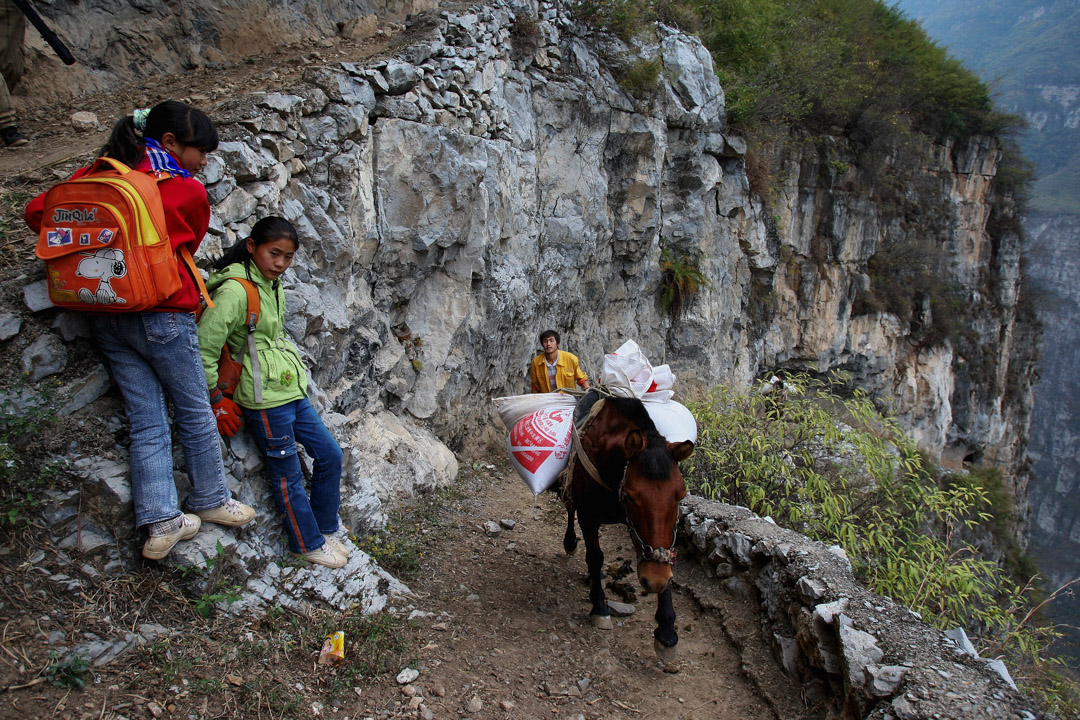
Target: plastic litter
{"type": "Point", "coordinates": [333, 649]}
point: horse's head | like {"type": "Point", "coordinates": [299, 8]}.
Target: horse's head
{"type": "Point", "coordinates": [652, 487]}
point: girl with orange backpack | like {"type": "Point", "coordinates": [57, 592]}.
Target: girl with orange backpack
{"type": "Point", "coordinates": [272, 391]}
{"type": "Point", "coordinates": [154, 354]}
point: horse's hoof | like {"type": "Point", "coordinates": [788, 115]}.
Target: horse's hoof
{"type": "Point", "coordinates": [667, 655]}
{"type": "Point", "coordinates": [619, 609]}
{"type": "Point", "coordinates": [601, 621]}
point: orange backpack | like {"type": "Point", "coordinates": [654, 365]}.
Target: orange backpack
{"type": "Point", "coordinates": [105, 244]}
{"type": "Point", "coordinates": [229, 370]}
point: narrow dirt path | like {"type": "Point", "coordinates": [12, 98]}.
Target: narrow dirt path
{"type": "Point", "coordinates": [510, 631]}
{"type": "Point", "coordinates": [498, 630]}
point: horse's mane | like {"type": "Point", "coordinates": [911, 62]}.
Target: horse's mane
{"type": "Point", "coordinates": [655, 460]}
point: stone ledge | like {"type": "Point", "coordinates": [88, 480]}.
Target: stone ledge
{"type": "Point", "coordinates": [856, 654]}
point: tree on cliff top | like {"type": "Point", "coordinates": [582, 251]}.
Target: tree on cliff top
{"type": "Point", "coordinates": [857, 65]}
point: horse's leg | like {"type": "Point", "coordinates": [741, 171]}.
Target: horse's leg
{"type": "Point", "coordinates": [600, 616]}
{"type": "Point", "coordinates": [665, 639]}
{"type": "Point", "coordinates": [569, 541]}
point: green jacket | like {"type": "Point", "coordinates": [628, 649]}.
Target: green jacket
{"type": "Point", "coordinates": [283, 376]}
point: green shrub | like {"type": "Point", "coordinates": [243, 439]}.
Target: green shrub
{"type": "Point", "coordinates": [818, 457]}
{"type": "Point", "coordinates": [680, 282]}
{"type": "Point", "coordinates": [625, 18]}
{"type": "Point", "coordinates": [69, 672]}
{"type": "Point", "coordinates": [858, 65]}
{"type": "Point", "coordinates": [640, 78]}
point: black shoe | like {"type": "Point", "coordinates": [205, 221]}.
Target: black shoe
{"type": "Point", "coordinates": [12, 137]}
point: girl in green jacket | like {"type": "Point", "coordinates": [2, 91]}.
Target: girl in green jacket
{"type": "Point", "coordinates": [272, 393]}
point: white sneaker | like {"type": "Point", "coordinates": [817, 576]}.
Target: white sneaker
{"type": "Point", "coordinates": [337, 546]}
{"type": "Point", "coordinates": [158, 546]}
{"type": "Point", "coordinates": [323, 555]}
{"type": "Point", "coordinates": [233, 513]}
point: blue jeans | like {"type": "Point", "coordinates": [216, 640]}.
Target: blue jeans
{"type": "Point", "coordinates": [277, 430]}
{"type": "Point", "coordinates": [151, 354]}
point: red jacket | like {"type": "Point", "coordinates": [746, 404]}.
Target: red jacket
{"type": "Point", "coordinates": [187, 216]}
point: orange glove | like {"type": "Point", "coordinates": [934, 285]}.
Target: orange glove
{"type": "Point", "coordinates": [227, 413]}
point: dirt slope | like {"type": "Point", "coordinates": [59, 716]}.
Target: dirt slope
{"type": "Point", "coordinates": [498, 630]}
{"type": "Point", "coordinates": [54, 142]}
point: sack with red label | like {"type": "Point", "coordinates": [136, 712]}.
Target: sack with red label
{"type": "Point", "coordinates": [514, 407]}
{"type": "Point", "coordinates": [539, 446]}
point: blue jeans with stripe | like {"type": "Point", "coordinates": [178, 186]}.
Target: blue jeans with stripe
{"type": "Point", "coordinates": [307, 517]}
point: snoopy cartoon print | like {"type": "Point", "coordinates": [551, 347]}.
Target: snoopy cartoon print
{"type": "Point", "coordinates": [102, 265]}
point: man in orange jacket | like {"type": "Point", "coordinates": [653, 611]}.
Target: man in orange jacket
{"type": "Point", "coordinates": [555, 368]}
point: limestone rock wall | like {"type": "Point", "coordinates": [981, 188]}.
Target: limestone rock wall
{"type": "Point", "coordinates": [492, 178]}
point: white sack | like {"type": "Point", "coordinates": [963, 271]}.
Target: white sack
{"type": "Point", "coordinates": [663, 378]}
{"type": "Point", "coordinates": [672, 420]}
{"type": "Point", "coordinates": [627, 372]}
{"type": "Point", "coordinates": [514, 407]}
{"type": "Point", "coordinates": [539, 446]}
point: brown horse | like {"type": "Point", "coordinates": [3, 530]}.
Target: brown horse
{"type": "Point", "coordinates": [622, 471]}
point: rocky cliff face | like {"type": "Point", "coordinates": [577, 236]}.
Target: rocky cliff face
{"type": "Point", "coordinates": [1055, 449]}
{"type": "Point", "coordinates": [493, 178]}
{"type": "Point", "coordinates": [490, 182]}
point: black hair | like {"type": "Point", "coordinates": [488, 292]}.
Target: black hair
{"type": "Point", "coordinates": [189, 125]}
{"type": "Point", "coordinates": [268, 229]}
{"type": "Point", "coordinates": [547, 334]}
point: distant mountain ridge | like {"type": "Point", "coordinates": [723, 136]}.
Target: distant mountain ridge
{"type": "Point", "coordinates": [1030, 54]}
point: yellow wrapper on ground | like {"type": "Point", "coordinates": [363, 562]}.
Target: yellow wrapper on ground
{"type": "Point", "coordinates": [333, 649]}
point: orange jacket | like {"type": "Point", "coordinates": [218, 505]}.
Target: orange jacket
{"type": "Point", "coordinates": [568, 373]}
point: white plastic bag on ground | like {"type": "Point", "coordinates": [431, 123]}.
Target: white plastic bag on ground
{"type": "Point", "coordinates": [627, 371]}
{"type": "Point", "coordinates": [514, 407]}
{"type": "Point", "coordinates": [539, 445]}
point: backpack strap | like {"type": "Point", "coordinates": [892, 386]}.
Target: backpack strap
{"type": "Point", "coordinates": [253, 309]}
{"type": "Point", "coordinates": [185, 255]}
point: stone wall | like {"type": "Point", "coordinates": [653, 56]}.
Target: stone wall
{"type": "Point", "coordinates": [855, 654]}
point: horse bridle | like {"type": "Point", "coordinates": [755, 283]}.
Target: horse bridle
{"type": "Point", "coordinates": [648, 552]}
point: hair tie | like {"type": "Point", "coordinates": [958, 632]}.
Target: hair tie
{"type": "Point", "coordinates": [140, 117]}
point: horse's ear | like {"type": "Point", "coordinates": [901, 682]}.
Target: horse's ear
{"type": "Point", "coordinates": [682, 450]}
{"type": "Point", "coordinates": [634, 443]}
